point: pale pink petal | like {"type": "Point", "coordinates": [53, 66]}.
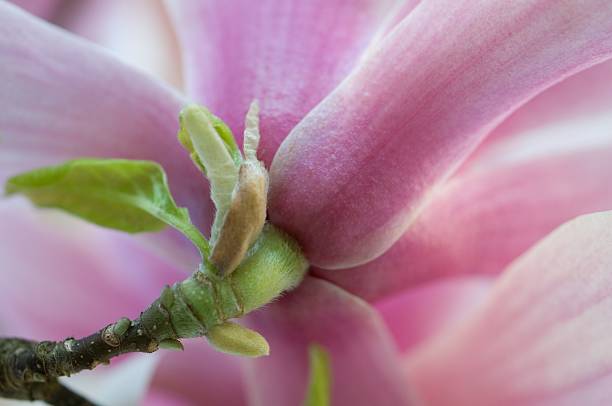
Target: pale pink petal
{"type": "Point", "coordinates": [62, 277]}
{"type": "Point", "coordinates": [542, 337]}
{"type": "Point", "coordinates": [417, 315]}
{"type": "Point", "coordinates": [479, 222]}
{"type": "Point", "coordinates": [546, 164]}
{"type": "Point", "coordinates": [286, 54]}
{"type": "Point", "coordinates": [199, 375]}
{"type": "Point", "coordinates": [161, 398]}
{"type": "Point", "coordinates": [363, 358]}
{"type": "Point", "coordinates": [137, 31]}
{"type": "Point", "coordinates": [62, 97]}
{"type": "Point", "coordinates": [353, 174]}
{"type": "Point", "coordinates": [123, 384]}
{"type": "Point", "coordinates": [581, 96]}
{"type": "Point", "coordinates": [46, 9]}
{"type": "Point", "coordinates": [402, 9]}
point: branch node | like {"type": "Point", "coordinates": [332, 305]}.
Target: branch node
{"type": "Point", "coordinates": [113, 333]}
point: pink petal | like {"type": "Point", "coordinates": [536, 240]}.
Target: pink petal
{"type": "Point", "coordinates": [402, 9]}
{"type": "Point", "coordinates": [286, 54]}
{"type": "Point", "coordinates": [584, 95]}
{"type": "Point", "coordinates": [62, 97]}
{"type": "Point", "coordinates": [139, 32]}
{"type": "Point", "coordinates": [542, 337]}
{"type": "Point", "coordinates": [161, 398]}
{"type": "Point", "coordinates": [546, 164]}
{"type": "Point", "coordinates": [363, 359]}
{"type": "Point", "coordinates": [417, 315]}
{"type": "Point", "coordinates": [199, 375]}
{"type": "Point", "coordinates": [45, 9]}
{"type": "Point", "coordinates": [353, 174]}
{"type": "Point", "coordinates": [62, 277]}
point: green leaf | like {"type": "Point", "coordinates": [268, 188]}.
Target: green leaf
{"type": "Point", "coordinates": [207, 140]}
{"type": "Point", "coordinates": [320, 377]}
{"type": "Point", "coordinates": [221, 129]}
{"type": "Point", "coordinates": [228, 138]}
{"type": "Point", "coordinates": [131, 196]}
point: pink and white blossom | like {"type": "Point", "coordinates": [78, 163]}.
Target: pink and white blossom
{"type": "Point", "coordinates": [422, 153]}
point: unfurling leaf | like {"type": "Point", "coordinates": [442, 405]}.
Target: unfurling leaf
{"type": "Point", "coordinates": [220, 128]}
{"type": "Point", "coordinates": [131, 196]}
{"type": "Point", "coordinates": [233, 338]}
{"type": "Point", "coordinates": [320, 377]}
{"type": "Point", "coordinates": [215, 153]}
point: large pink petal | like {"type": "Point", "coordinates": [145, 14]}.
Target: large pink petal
{"type": "Point", "coordinates": [353, 174]}
{"type": "Point", "coordinates": [417, 315]}
{"type": "Point", "coordinates": [581, 96]}
{"type": "Point", "coordinates": [61, 277]}
{"type": "Point", "coordinates": [402, 9]}
{"type": "Point", "coordinates": [62, 97]}
{"type": "Point", "coordinates": [546, 164]}
{"type": "Point", "coordinates": [286, 54]}
{"type": "Point", "coordinates": [199, 375]}
{"type": "Point", "coordinates": [137, 31]}
{"type": "Point", "coordinates": [45, 9]}
{"type": "Point", "coordinates": [363, 358]}
{"type": "Point", "coordinates": [486, 220]}
{"type": "Point", "coordinates": [541, 338]}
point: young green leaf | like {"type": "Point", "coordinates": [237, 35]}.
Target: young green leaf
{"type": "Point", "coordinates": [320, 377]}
{"type": "Point", "coordinates": [131, 196]}
{"type": "Point", "coordinates": [222, 130]}
{"type": "Point", "coordinates": [213, 149]}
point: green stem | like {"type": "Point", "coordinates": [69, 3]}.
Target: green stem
{"type": "Point", "coordinates": [194, 306]}
{"type": "Point", "coordinates": [187, 309]}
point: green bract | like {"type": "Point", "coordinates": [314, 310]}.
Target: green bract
{"type": "Point", "coordinates": [232, 338]}
{"type": "Point", "coordinates": [320, 377]}
{"type": "Point", "coordinates": [131, 196]}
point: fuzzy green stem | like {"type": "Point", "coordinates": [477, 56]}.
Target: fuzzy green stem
{"type": "Point", "coordinates": [194, 306]}
{"type": "Point", "coordinates": [187, 309]}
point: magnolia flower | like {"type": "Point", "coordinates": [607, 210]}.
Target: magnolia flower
{"type": "Point", "coordinates": [407, 143]}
